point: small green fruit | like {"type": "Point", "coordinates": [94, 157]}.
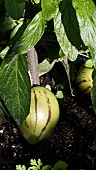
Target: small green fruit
{"type": "Point", "coordinates": [84, 79]}
{"type": "Point", "coordinates": [43, 116]}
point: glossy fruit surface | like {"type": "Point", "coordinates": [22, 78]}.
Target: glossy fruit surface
{"type": "Point", "coordinates": [43, 116]}
{"type": "Point", "coordinates": [84, 79]}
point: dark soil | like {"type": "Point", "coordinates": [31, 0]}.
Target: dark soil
{"type": "Point", "coordinates": [73, 140]}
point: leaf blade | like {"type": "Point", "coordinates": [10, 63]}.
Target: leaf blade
{"type": "Point", "coordinates": [70, 23]}
{"type": "Point", "coordinates": [68, 49]}
{"type": "Point", "coordinates": [45, 66]}
{"type": "Point", "coordinates": [16, 6]}
{"type": "Point", "coordinates": [31, 35]}
{"type": "Point", "coordinates": [86, 15]}
{"type": "Point", "coordinates": [15, 87]}
{"type": "Point", "coordinates": [49, 9]}
{"type": "Point", "coordinates": [6, 24]}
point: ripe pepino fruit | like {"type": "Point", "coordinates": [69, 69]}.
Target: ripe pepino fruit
{"type": "Point", "coordinates": [84, 79]}
{"type": "Point", "coordinates": [43, 116]}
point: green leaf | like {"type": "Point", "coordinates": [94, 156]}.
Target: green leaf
{"type": "Point", "coordinates": [86, 15]}
{"type": "Point", "coordinates": [35, 165]}
{"type": "Point", "coordinates": [17, 32]}
{"type": "Point", "coordinates": [6, 23]}
{"type": "Point", "coordinates": [60, 165]}
{"type": "Point", "coordinates": [19, 167]}
{"type": "Point", "coordinates": [31, 35]}
{"type": "Point", "coordinates": [49, 8]}
{"type": "Point", "coordinates": [15, 86]}
{"type": "Point", "coordinates": [4, 52]}
{"type": "Point", "coordinates": [46, 167]}
{"type": "Point", "coordinates": [37, 1]}
{"type": "Point", "coordinates": [59, 94]}
{"type": "Point", "coordinates": [45, 66]}
{"type": "Point", "coordinates": [93, 93]}
{"type": "Point", "coordinates": [70, 23]}
{"type": "Point", "coordinates": [15, 8]}
{"type": "Point", "coordinates": [69, 50]}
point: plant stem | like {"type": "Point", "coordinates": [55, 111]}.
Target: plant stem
{"type": "Point", "coordinates": [65, 60]}
{"type": "Point", "coordinates": [33, 66]}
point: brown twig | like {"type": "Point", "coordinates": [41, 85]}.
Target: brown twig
{"type": "Point", "coordinates": [33, 66]}
{"type": "Point", "coordinates": [65, 60]}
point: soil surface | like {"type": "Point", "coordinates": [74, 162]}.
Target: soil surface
{"type": "Point", "coordinates": [73, 140]}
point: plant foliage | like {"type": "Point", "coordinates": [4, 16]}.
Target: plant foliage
{"type": "Point", "coordinates": [23, 24]}
{"type": "Point", "coordinates": [15, 89]}
{"type": "Point", "coordinates": [38, 165]}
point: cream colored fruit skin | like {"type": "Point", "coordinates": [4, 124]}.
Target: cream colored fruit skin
{"type": "Point", "coordinates": [47, 105]}
{"type": "Point", "coordinates": [85, 74]}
